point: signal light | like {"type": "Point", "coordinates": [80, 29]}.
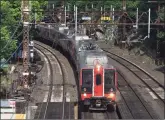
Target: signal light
{"type": "Point", "coordinates": [85, 94]}
{"type": "Point", "coordinates": [111, 95]}
{"type": "Point", "coordinates": [98, 67]}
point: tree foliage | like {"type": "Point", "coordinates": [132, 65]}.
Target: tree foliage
{"type": "Point", "coordinates": [36, 7]}
{"type": "Point", "coordinates": [10, 17]}
{"type": "Point", "coordinates": [10, 14]}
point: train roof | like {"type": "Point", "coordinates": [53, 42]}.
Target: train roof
{"type": "Point", "coordinates": [89, 46]}
{"type": "Point", "coordinates": [81, 37]}
{"type": "Point", "coordinates": [88, 58]}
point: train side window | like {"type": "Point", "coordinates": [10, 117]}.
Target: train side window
{"type": "Point", "coordinates": [109, 76]}
{"type": "Point", "coordinates": [98, 79]}
{"type": "Point", "coordinates": [109, 79]}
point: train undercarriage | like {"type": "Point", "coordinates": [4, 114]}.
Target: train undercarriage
{"type": "Point", "coordinates": [98, 104]}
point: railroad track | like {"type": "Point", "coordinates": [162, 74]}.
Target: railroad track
{"type": "Point", "coordinates": [137, 107]}
{"type": "Point", "coordinates": [127, 91]}
{"type": "Point", "coordinates": [59, 108]}
{"type": "Point", "coordinates": [143, 76]}
{"type": "Point", "coordinates": [44, 106]}
{"type": "Point", "coordinates": [109, 114]}
{"type": "Point", "coordinates": [100, 115]}
{"type": "Point", "coordinates": [63, 111]}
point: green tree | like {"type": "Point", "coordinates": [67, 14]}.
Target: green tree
{"type": "Point", "coordinates": [9, 21]}
{"type": "Point", "coordinates": [37, 6]}
{"type": "Point", "coordinates": [10, 17]}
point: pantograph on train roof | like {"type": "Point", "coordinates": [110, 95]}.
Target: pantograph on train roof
{"type": "Point", "coordinates": [88, 46]}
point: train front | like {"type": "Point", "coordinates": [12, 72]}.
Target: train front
{"type": "Point", "coordinates": [98, 87]}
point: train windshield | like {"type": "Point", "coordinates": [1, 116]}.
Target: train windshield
{"type": "Point", "coordinates": [109, 78]}
{"type": "Point", "coordinates": [87, 79]}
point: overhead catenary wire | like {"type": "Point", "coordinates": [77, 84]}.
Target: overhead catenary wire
{"type": "Point", "coordinates": [14, 38]}
{"type": "Point", "coordinates": [13, 52]}
{"type": "Point", "coordinates": [11, 56]}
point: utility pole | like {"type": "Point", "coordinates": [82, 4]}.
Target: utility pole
{"type": "Point", "coordinates": [124, 21]}
{"type": "Point", "coordinates": [25, 16]}
{"type": "Point", "coordinates": [149, 20]}
{"type": "Point", "coordinates": [74, 12]}
{"type": "Point", "coordinates": [75, 21]}
{"type": "Point", "coordinates": [111, 12]}
{"type": "Point", "coordinates": [137, 19]}
{"type": "Point", "coordinates": [65, 15]}
{"type": "Point", "coordinates": [158, 39]}
{"type": "Point", "coordinates": [113, 16]}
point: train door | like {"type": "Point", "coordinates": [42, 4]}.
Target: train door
{"type": "Point", "coordinates": [98, 81]}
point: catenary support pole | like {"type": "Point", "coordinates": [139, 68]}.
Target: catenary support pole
{"type": "Point", "coordinates": [149, 19]}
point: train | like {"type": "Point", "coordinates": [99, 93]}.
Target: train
{"type": "Point", "coordinates": [97, 77]}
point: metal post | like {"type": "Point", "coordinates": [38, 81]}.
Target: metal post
{"type": "Point", "coordinates": [65, 15]}
{"type": "Point", "coordinates": [149, 14]}
{"type": "Point", "coordinates": [53, 6]}
{"type": "Point", "coordinates": [101, 13]}
{"type": "Point", "coordinates": [35, 16]}
{"type": "Point", "coordinates": [158, 39]}
{"type": "Point", "coordinates": [68, 8]}
{"type": "Point", "coordinates": [92, 14]}
{"type": "Point", "coordinates": [124, 21]}
{"type": "Point", "coordinates": [111, 12]}
{"type": "Point", "coordinates": [76, 21]}
{"type": "Point", "coordinates": [104, 11]}
{"type": "Point", "coordinates": [101, 10]}
{"type": "Point", "coordinates": [74, 12]}
{"type": "Point", "coordinates": [68, 11]}
{"type": "Point", "coordinates": [113, 18]}
{"type": "Point", "coordinates": [137, 19]}
{"type": "Point", "coordinates": [25, 10]}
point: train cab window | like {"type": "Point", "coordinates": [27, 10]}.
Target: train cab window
{"type": "Point", "coordinates": [98, 79]}
{"type": "Point", "coordinates": [109, 78]}
{"type": "Point", "coordinates": [87, 79]}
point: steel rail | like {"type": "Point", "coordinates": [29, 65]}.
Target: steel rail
{"type": "Point", "coordinates": [132, 89]}
{"type": "Point", "coordinates": [51, 81]}
{"type": "Point", "coordinates": [141, 79]}
{"type": "Point", "coordinates": [63, 78]}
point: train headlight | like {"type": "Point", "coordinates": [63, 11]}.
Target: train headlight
{"type": "Point", "coordinates": [111, 95]}
{"type": "Point", "coordinates": [85, 94]}
{"type": "Point", "coordinates": [98, 67]}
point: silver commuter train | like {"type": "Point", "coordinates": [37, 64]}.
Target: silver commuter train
{"type": "Point", "coordinates": [97, 78]}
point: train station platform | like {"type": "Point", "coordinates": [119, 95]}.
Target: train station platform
{"type": "Point", "coordinates": [13, 116]}
{"type": "Point", "coordinates": [143, 61]}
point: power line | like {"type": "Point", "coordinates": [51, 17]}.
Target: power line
{"type": "Point", "coordinates": [15, 50]}
{"type": "Point", "coordinates": [11, 56]}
